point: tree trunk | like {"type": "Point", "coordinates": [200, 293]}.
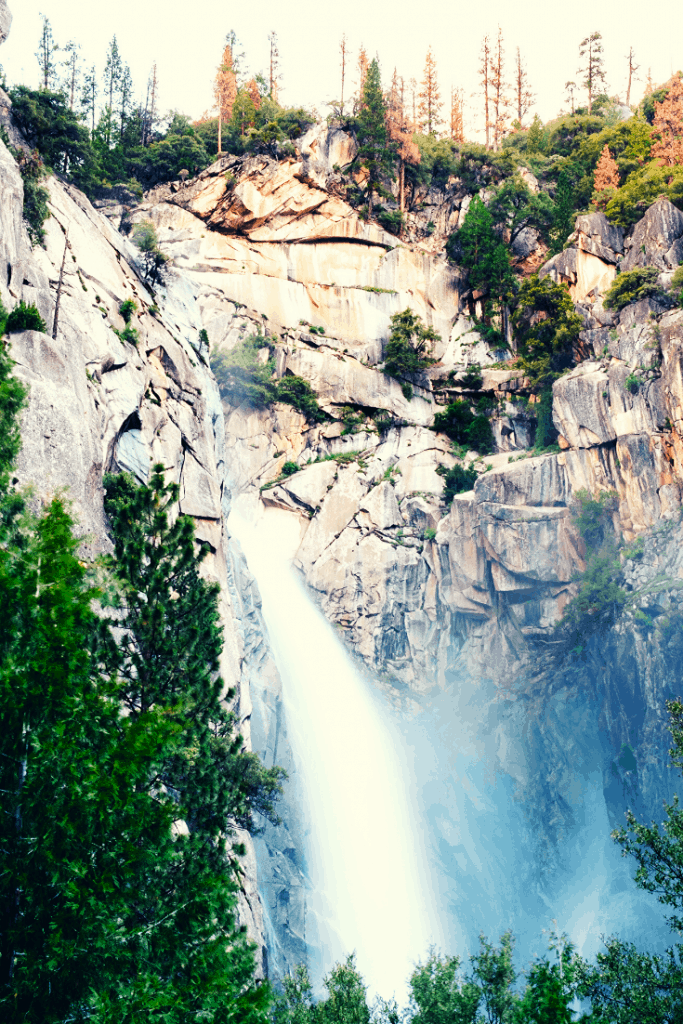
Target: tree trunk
{"type": "Point", "coordinates": [55, 322]}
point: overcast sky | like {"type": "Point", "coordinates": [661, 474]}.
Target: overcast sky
{"type": "Point", "coordinates": [185, 39]}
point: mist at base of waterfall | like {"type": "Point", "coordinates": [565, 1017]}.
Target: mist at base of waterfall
{"type": "Point", "coordinates": [413, 838]}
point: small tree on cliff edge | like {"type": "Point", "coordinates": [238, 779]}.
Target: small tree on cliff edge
{"type": "Point", "coordinates": [606, 179]}
{"type": "Point", "coordinates": [375, 149]}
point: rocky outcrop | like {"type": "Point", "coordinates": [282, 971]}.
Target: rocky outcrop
{"type": "Point", "coordinates": [657, 239]}
{"type": "Point", "coordinates": [5, 21]}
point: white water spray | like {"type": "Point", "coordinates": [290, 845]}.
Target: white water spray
{"type": "Point", "coordinates": [365, 849]}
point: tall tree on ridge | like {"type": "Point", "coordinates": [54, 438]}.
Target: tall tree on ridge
{"type": "Point", "coordinates": [569, 88]}
{"type": "Point", "coordinates": [89, 98]}
{"type": "Point", "coordinates": [225, 85]}
{"type": "Point", "coordinates": [668, 124]}
{"type": "Point", "coordinates": [401, 129]}
{"type": "Point", "coordinates": [45, 55]}
{"type": "Point", "coordinates": [524, 97]}
{"type": "Point", "coordinates": [375, 148]}
{"type": "Point", "coordinates": [343, 47]}
{"type": "Point", "coordinates": [274, 68]}
{"type": "Point", "coordinates": [72, 66]}
{"type": "Point", "coordinates": [593, 69]}
{"type": "Point", "coordinates": [498, 90]}
{"type": "Point", "coordinates": [150, 114]}
{"type": "Point", "coordinates": [429, 110]}
{"type": "Point", "coordinates": [632, 69]}
{"type": "Point", "coordinates": [113, 69]}
{"type": "Point", "coordinates": [484, 65]}
{"type": "Point", "coordinates": [363, 65]}
{"type": "Point", "coordinates": [457, 115]}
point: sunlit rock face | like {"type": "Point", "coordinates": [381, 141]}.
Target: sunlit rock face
{"type": "Point", "coordinates": [5, 20]}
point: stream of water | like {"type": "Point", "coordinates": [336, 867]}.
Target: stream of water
{"type": "Point", "coordinates": [366, 861]}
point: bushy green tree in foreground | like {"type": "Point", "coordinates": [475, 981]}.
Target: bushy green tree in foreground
{"type": "Point", "coordinates": [121, 776]}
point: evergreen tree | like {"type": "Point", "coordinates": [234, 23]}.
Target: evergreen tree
{"type": "Point", "coordinates": [408, 349]}
{"type": "Point", "coordinates": [376, 151]}
{"type": "Point", "coordinates": [429, 110]}
{"type": "Point", "coordinates": [545, 342]}
{"type": "Point", "coordinates": [593, 69]}
{"type": "Point", "coordinates": [112, 76]}
{"type": "Point", "coordinates": [45, 55]}
{"type": "Point", "coordinates": [439, 994]}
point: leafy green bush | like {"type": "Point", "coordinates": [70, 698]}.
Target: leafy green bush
{"type": "Point", "coordinates": [390, 220]}
{"type": "Point", "coordinates": [641, 189]}
{"type": "Point", "coordinates": [477, 247]}
{"type": "Point", "coordinates": [297, 392]}
{"type": "Point", "coordinates": [153, 259]}
{"type": "Point", "coordinates": [472, 379]}
{"type": "Point", "coordinates": [128, 334]}
{"type": "Point", "coordinates": [632, 383]}
{"type": "Point", "coordinates": [289, 468]}
{"type": "Point", "coordinates": [463, 426]}
{"type": "Point", "coordinates": [36, 210]}
{"type": "Point", "coordinates": [127, 308]}
{"type": "Point", "coordinates": [457, 480]}
{"type": "Point", "coordinates": [632, 286]}
{"type": "Point", "coordinates": [547, 328]}
{"type": "Point", "coordinates": [677, 286]}
{"type": "Point", "coordinates": [24, 318]}
{"type": "Point", "coordinates": [409, 346]}
{"type": "Point", "coordinates": [242, 377]}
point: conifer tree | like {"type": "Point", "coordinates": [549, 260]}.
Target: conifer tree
{"type": "Point", "coordinates": [89, 98]}
{"type": "Point", "coordinates": [343, 48]}
{"type": "Point", "coordinates": [274, 68]}
{"type": "Point", "coordinates": [484, 70]}
{"type": "Point", "coordinates": [570, 88]}
{"type": "Point", "coordinates": [113, 70]}
{"type": "Point", "coordinates": [45, 55]}
{"type": "Point", "coordinates": [524, 97]}
{"type": "Point", "coordinates": [72, 68]}
{"type": "Point", "coordinates": [500, 101]}
{"type": "Point", "coordinates": [429, 110]}
{"type": "Point", "coordinates": [363, 65]}
{"type": "Point", "coordinates": [457, 132]}
{"type": "Point", "coordinates": [376, 151]}
{"type": "Point", "coordinates": [668, 125]}
{"type": "Point", "coordinates": [225, 86]}
{"type": "Point", "coordinates": [400, 131]}
{"type": "Point", "coordinates": [593, 68]}
{"type": "Point", "coordinates": [605, 179]}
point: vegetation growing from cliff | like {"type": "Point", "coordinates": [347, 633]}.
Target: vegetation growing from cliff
{"type": "Point", "coordinates": [24, 318]}
{"type": "Point", "coordinates": [117, 750]}
{"type": "Point", "coordinates": [547, 329]}
{"type": "Point", "coordinates": [632, 286]}
{"type": "Point", "coordinates": [245, 374]}
{"type": "Point", "coordinates": [457, 480]}
{"type": "Point", "coordinates": [465, 427]}
{"type": "Point", "coordinates": [408, 349]}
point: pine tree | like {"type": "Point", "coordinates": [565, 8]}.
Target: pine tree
{"type": "Point", "coordinates": [484, 68]}
{"type": "Point", "coordinates": [343, 47]}
{"type": "Point", "coordinates": [457, 132]}
{"type": "Point", "coordinates": [605, 179]}
{"type": "Point", "coordinates": [497, 80]}
{"type": "Point", "coordinates": [375, 149]}
{"type": "Point", "coordinates": [363, 65]}
{"type": "Point", "coordinates": [668, 125]}
{"type": "Point", "coordinates": [524, 97]}
{"type": "Point", "coordinates": [125, 99]}
{"type": "Point", "coordinates": [225, 86]}
{"type": "Point", "coordinates": [45, 55]}
{"type": "Point", "coordinates": [113, 70]}
{"type": "Point", "coordinates": [73, 74]}
{"type": "Point", "coordinates": [274, 68]}
{"type": "Point", "coordinates": [593, 69]}
{"type": "Point", "coordinates": [401, 132]}
{"type": "Point", "coordinates": [429, 110]}
{"type": "Point", "coordinates": [570, 88]}
{"type": "Point", "coordinates": [89, 98]}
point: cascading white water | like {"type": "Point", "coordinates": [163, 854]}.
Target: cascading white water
{"type": "Point", "coordinates": [366, 856]}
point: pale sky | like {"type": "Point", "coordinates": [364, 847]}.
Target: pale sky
{"type": "Point", "coordinates": [185, 39]}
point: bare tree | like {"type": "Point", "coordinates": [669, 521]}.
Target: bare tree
{"type": "Point", "coordinates": [457, 115]}
{"type": "Point", "coordinates": [524, 97]}
{"type": "Point", "coordinates": [343, 47]}
{"type": "Point", "coordinates": [225, 85]}
{"type": "Point", "coordinates": [632, 76]}
{"type": "Point", "coordinates": [569, 88]}
{"type": "Point", "coordinates": [430, 106]}
{"type": "Point", "coordinates": [484, 65]}
{"type": "Point", "coordinates": [401, 129]}
{"type": "Point", "coordinates": [275, 75]}
{"type": "Point", "coordinates": [497, 82]}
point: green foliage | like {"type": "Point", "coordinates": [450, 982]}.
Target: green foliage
{"type": "Point", "coordinates": [477, 247]}
{"type": "Point", "coordinates": [129, 334]}
{"type": "Point", "coordinates": [547, 328]}
{"type": "Point", "coordinates": [391, 221]}
{"type": "Point", "coordinates": [459, 423]}
{"type": "Point", "coordinates": [35, 210]}
{"type": "Point", "coordinates": [517, 207]}
{"type": "Point", "coordinates": [551, 987]}
{"type": "Point", "coordinates": [408, 348]}
{"type": "Point", "coordinates": [472, 378]}
{"type": "Point", "coordinates": [376, 151]}
{"type": "Point", "coordinates": [632, 286]}
{"type": "Point", "coordinates": [564, 213]}
{"type": "Point", "coordinates": [546, 434]}
{"type": "Point", "coordinates": [493, 971]}
{"type": "Point", "coordinates": [599, 595]}
{"type": "Point", "coordinates": [677, 286]}
{"type": "Point", "coordinates": [457, 480]}
{"type": "Point", "coordinates": [12, 400]}
{"type": "Point", "coordinates": [632, 383]}
{"type": "Point", "coordinates": [297, 392]}
{"type": "Point", "coordinates": [127, 308]}
{"type": "Point", "coordinates": [626, 986]}
{"type": "Point", "coordinates": [440, 995]}
{"type": "Point", "coordinates": [641, 189]}
{"type": "Point", "coordinates": [243, 376]}
{"type": "Point", "coordinates": [24, 318]}
{"type": "Point", "coordinates": [289, 468]}
{"type": "Point", "coordinates": [153, 259]}
{"type": "Point", "coordinates": [48, 125]}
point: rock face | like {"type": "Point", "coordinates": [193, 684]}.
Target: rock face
{"type": "Point", "coordinates": [5, 20]}
{"type": "Point", "coordinates": [432, 598]}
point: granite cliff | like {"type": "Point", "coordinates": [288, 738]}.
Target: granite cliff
{"type": "Point", "coordinates": [431, 599]}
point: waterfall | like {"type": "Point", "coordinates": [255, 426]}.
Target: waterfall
{"type": "Point", "coordinates": [366, 861]}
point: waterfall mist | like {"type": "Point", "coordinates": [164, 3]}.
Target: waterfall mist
{"type": "Point", "coordinates": [371, 881]}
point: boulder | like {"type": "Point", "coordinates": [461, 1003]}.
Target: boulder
{"type": "Point", "coordinates": [595, 234]}
{"type": "Point", "coordinates": [586, 275]}
{"type": "Point", "coordinates": [657, 239]}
